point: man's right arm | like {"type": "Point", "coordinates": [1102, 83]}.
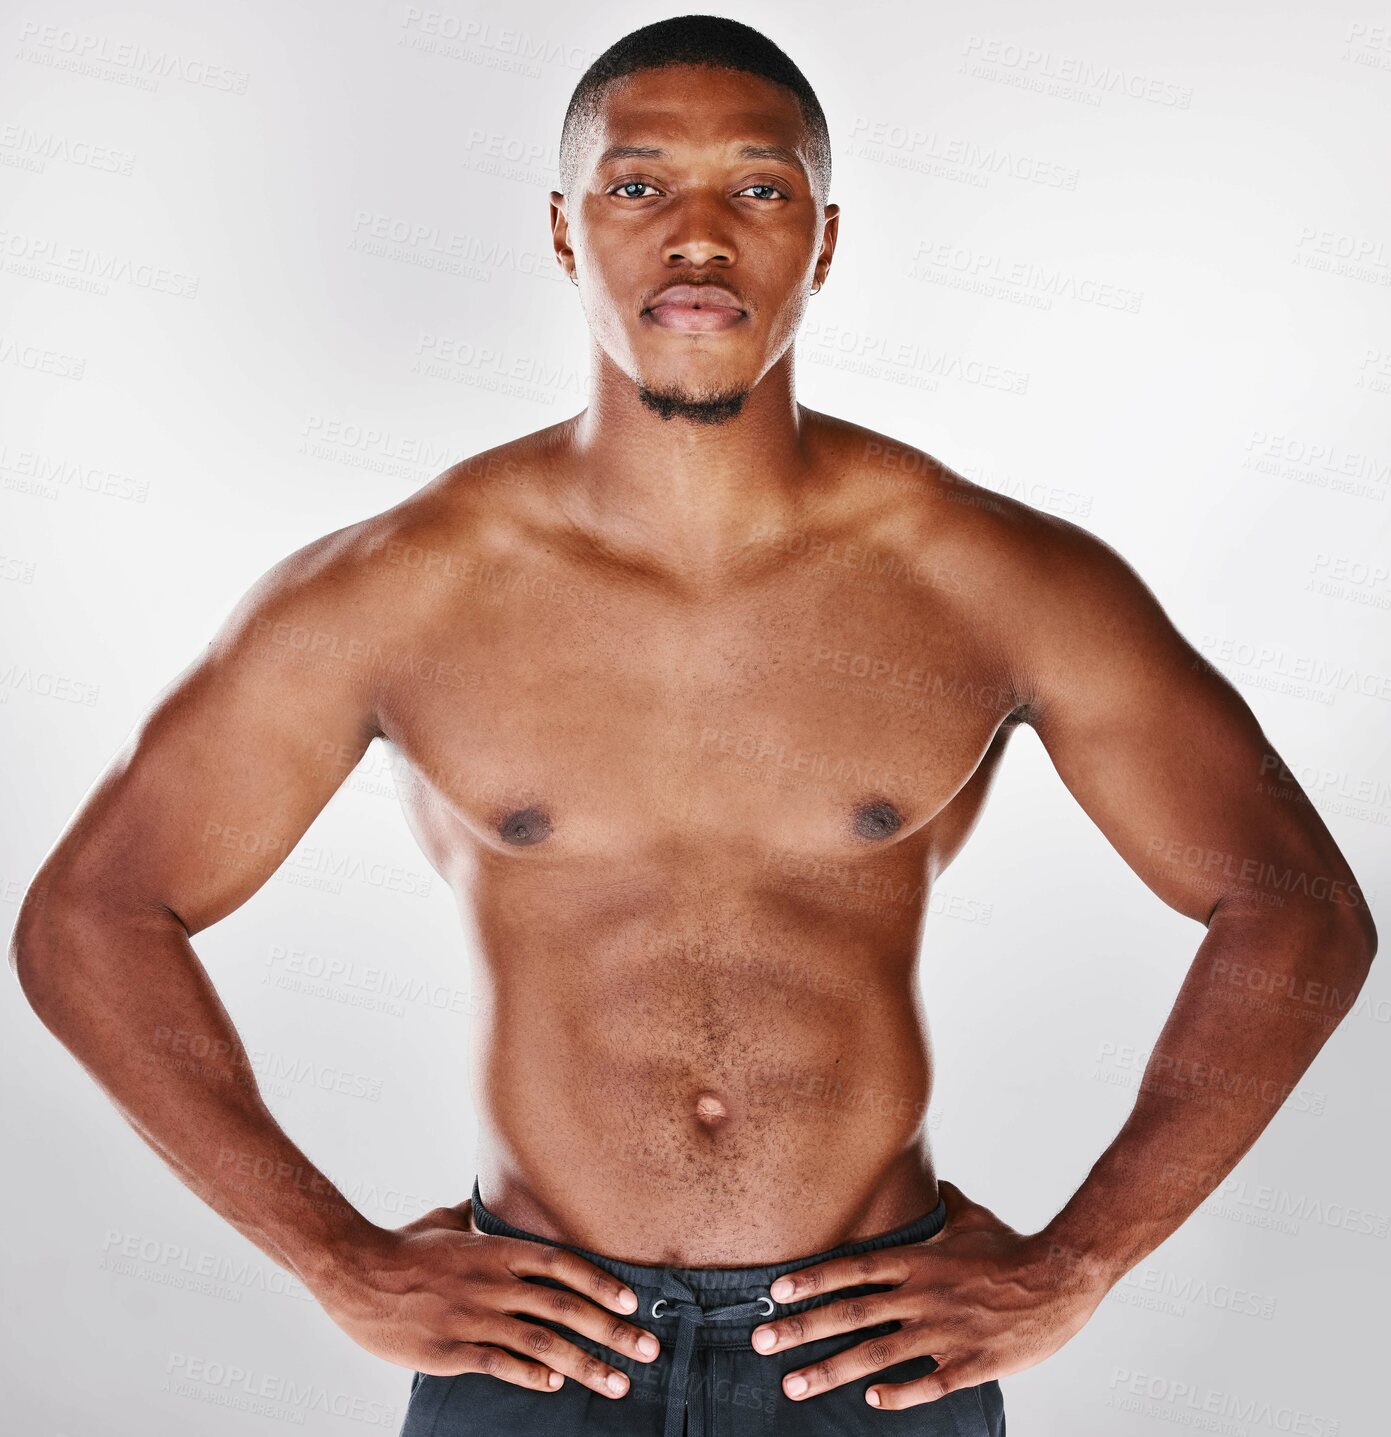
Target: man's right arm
{"type": "Point", "coordinates": [209, 794]}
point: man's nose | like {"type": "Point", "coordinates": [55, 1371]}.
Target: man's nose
{"type": "Point", "coordinates": [699, 235]}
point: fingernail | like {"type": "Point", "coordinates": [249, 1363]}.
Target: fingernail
{"type": "Point", "coordinates": [764, 1338]}
{"type": "Point", "coordinates": [796, 1386]}
{"type": "Point", "coordinates": [649, 1346]}
{"type": "Point", "coordinates": [782, 1288]}
{"type": "Point", "coordinates": [628, 1300]}
{"type": "Point", "coordinates": [872, 1397]}
{"type": "Point", "coordinates": [554, 1380]}
{"type": "Point", "coordinates": [616, 1382]}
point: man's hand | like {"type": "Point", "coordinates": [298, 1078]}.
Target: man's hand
{"type": "Point", "coordinates": [438, 1297]}
{"type": "Point", "coordinates": [979, 1297]}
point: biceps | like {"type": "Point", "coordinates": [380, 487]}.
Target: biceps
{"type": "Point", "coordinates": [218, 782]}
{"type": "Point", "coordinates": [1173, 767]}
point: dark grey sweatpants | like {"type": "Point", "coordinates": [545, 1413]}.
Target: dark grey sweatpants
{"type": "Point", "coordinates": [708, 1380]}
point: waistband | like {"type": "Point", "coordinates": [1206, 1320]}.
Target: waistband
{"type": "Point", "coordinates": [723, 1284]}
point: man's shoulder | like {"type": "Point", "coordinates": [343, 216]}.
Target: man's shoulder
{"type": "Point", "coordinates": [991, 533]}
{"type": "Point", "coordinates": [1049, 597]}
{"type": "Point", "coordinates": [339, 613]}
{"type": "Point", "coordinates": [428, 542]}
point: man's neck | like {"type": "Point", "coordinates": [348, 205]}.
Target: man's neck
{"type": "Point", "coordinates": [689, 494]}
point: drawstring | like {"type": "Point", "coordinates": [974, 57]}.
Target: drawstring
{"type": "Point", "coordinates": [677, 1296]}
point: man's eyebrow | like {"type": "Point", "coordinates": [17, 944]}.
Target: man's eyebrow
{"type": "Point", "coordinates": [744, 152]}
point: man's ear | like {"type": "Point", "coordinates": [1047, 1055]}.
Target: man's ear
{"type": "Point", "coordinates": [828, 246]}
{"type": "Point", "coordinates": [560, 234]}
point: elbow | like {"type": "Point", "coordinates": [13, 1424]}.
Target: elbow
{"type": "Point", "coordinates": [26, 934]}
{"type": "Point", "coordinates": [1344, 934]}
{"type": "Point", "coordinates": [1363, 940]}
{"type": "Point", "coordinates": [1357, 932]}
{"type": "Point", "coordinates": [31, 942]}
{"type": "Point", "coordinates": [1333, 930]}
{"type": "Point", "coordinates": [49, 934]}
{"type": "Point", "coordinates": [72, 928]}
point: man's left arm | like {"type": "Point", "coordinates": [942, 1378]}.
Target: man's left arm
{"type": "Point", "coordinates": [1170, 763]}
{"type": "Point", "coordinates": [1167, 759]}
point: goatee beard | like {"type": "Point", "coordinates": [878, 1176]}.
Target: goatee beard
{"type": "Point", "coordinates": [678, 404]}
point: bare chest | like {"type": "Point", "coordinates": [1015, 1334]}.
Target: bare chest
{"type": "Point", "coordinates": [830, 710]}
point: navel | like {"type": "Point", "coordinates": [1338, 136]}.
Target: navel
{"type": "Point", "coordinates": [877, 820]}
{"type": "Point", "coordinates": [527, 825]}
{"type": "Point", "coordinates": [710, 1108]}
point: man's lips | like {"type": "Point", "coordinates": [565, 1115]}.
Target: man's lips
{"type": "Point", "coordinates": [695, 307]}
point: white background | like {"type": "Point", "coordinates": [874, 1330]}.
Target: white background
{"type": "Point", "coordinates": [247, 378]}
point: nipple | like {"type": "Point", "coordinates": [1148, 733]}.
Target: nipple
{"type": "Point", "coordinates": [527, 825]}
{"type": "Point", "coordinates": [877, 820]}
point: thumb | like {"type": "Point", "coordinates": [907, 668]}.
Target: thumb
{"type": "Point", "coordinates": [459, 1214]}
{"type": "Point", "coordinates": [963, 1211]}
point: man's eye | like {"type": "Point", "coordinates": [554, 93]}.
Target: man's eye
{"type": "Point", "coordinates": [625, 189]}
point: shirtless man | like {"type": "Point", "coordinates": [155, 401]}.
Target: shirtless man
{"type": "Point", "coordinates": [698, 692]}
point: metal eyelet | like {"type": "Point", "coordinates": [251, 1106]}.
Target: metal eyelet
{"type": "Point", "coordinates": [771, 1305]}
{"type": "Point", "coordinates": [656, 1305]}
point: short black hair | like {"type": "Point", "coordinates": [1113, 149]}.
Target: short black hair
{"type": "Point", "coordinates": [693, 40]}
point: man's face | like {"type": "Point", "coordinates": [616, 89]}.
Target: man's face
{"type": "Point", "coordinates": [692, 210]}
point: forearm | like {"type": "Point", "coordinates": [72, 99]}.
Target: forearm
{"type": "Point", "coordinates": [129, 998]}
{"type": "Point", "coordinates": [1264, 992]}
